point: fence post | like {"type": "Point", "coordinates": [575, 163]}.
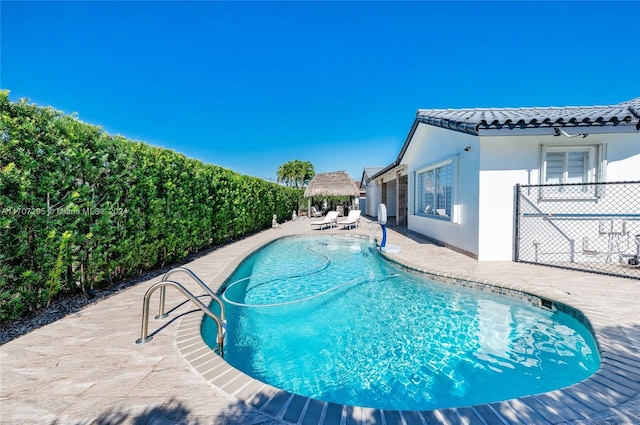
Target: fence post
{"type": "Point", "coordinates": [516, 230]}
{"type": "Point", "coordinates": [572, 252]}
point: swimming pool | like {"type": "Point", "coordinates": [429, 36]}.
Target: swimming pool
{"type": "Point", "coordinates": [328, 318]}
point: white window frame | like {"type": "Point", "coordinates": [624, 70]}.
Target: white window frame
{"type": "Point", "coordinates": [433, 214]}
{"type": "Point", "coordinates": [593, 173]}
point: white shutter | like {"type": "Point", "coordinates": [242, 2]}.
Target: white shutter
{"type": "Point", "coordinates": [571, 164]}
{"type": "Point", "coordinates": [576, 167]}
{"type": "Point", "coordinates": [554, 168]}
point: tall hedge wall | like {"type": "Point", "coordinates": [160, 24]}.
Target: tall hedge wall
{"type": "Point", "coordinates": [80, 208]}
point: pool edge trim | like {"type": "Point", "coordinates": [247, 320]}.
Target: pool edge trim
{"type": "Point", "coordinates": [615, 382]}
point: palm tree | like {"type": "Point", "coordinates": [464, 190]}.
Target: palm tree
{"type": "Point", "coordinates": [285, 174]}
{"type": "Point", "coordinates": [295, 173]}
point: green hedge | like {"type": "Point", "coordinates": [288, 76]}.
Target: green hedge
{"type": "Point", "coordinates": [80, 209]}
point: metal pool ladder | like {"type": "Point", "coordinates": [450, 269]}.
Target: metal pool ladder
{"type": "Point", "coordinates": [221, 321]}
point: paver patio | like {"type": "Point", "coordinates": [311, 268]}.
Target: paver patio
{"type": "Point", "coordinates": [86, 368]}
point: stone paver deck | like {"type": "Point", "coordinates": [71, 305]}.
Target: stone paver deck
{"type": "Point", "coordinates": [86, 368]}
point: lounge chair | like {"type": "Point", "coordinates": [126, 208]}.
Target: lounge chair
{"type": "Point", "coordinates": [329, 220]}
{"type": "Point", "coordinates": [315, 213]}
{"type": "Point", "coordinates": [352, 219]}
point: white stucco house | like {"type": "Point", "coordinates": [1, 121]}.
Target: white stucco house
{"type": "Point", "coordinates": [455, 176]}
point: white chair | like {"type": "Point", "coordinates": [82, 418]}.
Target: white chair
{"type": "Point", "coordinates": [315, 213]}
{"type": "Point", "coordinates": [329, 220]}
{"type": "Point", "coordinates": [352, 219]}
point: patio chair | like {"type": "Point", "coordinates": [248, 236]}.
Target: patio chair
{"type": "Point", "coordinates": [353, 219]}
{"type": "Point", "coordinates": [340, 210]}
{"type": "Point", "coordinates": [315, 213]}
{"type": "Point", "coordinates": [329, 220]}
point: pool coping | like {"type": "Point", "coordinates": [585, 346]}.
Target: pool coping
{"type": "Point", "coordinates": [616, 382]}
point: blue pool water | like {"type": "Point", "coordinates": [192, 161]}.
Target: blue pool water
{"type": "Point", "coordinates": [328, 318]}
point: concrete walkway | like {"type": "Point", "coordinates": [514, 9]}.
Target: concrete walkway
{"type": "Point", "coordinates": [87, 369]}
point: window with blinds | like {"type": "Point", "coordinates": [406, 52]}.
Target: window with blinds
{"type": "Point", "coordinates": [568, 165]}
{"type": "Point", "coordinates": [435, 191]}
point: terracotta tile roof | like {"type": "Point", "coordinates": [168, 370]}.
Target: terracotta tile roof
{"type": "Point", "coordinates": [473, 120]}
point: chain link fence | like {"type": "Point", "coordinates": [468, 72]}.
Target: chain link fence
{"type": "Point", "coordinates": [591, 227]}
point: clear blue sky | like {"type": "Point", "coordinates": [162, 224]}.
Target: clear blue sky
{"type": "Point", "coordinates": [251, 85]}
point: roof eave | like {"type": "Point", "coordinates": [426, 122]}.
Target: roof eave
{"type": "Point", "coordinates": [460, 126]}
{"type": "Point", "coordinates": [629, 127]}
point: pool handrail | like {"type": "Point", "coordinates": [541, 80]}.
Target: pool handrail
{"type": "Point", "coordinates": [144, 337]}
{"type": "Point", "coordinates": [214, 297]}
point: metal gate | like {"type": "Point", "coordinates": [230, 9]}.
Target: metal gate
{"type": "Point", "coordinates": [591, 227]}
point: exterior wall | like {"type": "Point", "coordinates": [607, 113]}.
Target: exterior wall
{"type": "Point", "coordinates": [487, 174]}
{"type": "Point", "coordinates": [549, 240]}
{"type": "Point", "coordinates": [504, 162]}
{"type": "Point", "coordinates": [362, 204]}
{"type": "Point", "coordinates": [384, 192]}
{"type": "Point", "coordinates": [428, 146]}
{"type": "Point", "coordinates": [390, 198]}
{"type": "Point", "coordinates": [623, 158]}
{"type": "Point", "coordinates": [507, 161]}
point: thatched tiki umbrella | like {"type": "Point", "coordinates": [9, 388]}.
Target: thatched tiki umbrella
{"type": "Point", "coordinates": [337, 183]}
